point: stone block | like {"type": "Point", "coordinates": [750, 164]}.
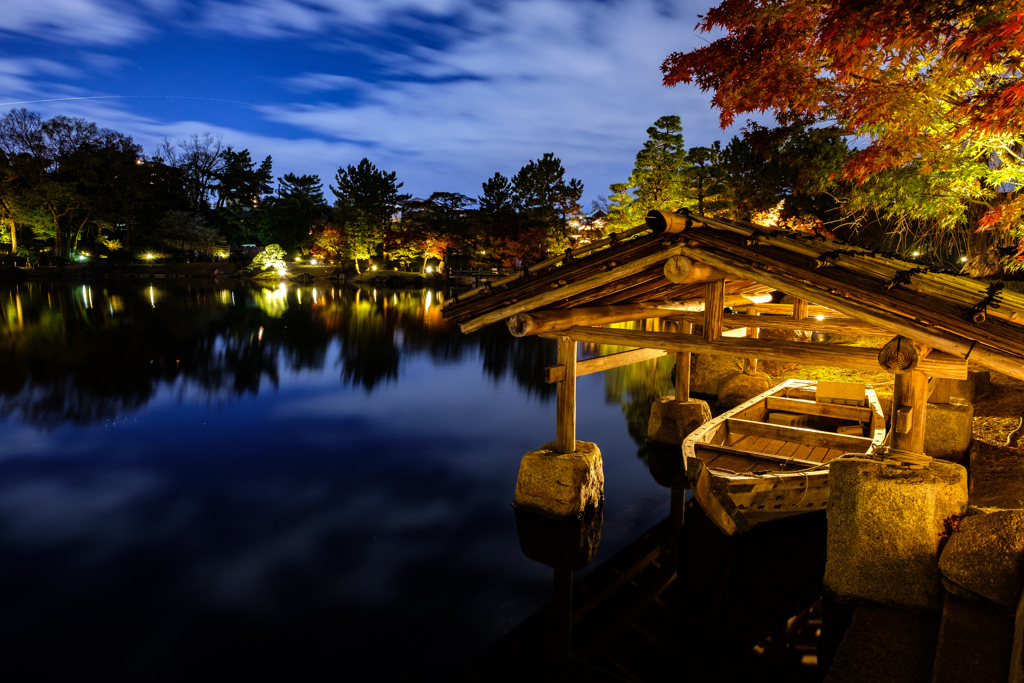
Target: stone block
{"type": "Point", "coordinates": [985, 556]}
{"type": "Point", "coordinates": [948, 429]}
{"type": "Point", "coordinates": [978, 382]}
{"type": "Point", "coordinates": [708, 372]}
{"type": "Point", "coordinates": [885, 523]}
{"type": "Point", "coordinates": [672, 420]}
{"type": "Point", "coordinates": [560, 484]}
{"type": "Point", "coordinates": [740, 388]}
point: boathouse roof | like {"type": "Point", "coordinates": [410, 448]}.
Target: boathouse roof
{"type": "Point", "coordinates": [663, 268]}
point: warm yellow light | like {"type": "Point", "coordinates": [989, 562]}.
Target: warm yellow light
{"type": "Point", "coordinates": [373, 267]}
{"type": "Point", "coordinates": [916, 254]}
{"type": "Point", "coordinates": [430, 269]}
{"type": "Point", "coordinates": [963, 259]}
{"type": "Point", "coordinates": [820, 317]}
{"type": "Point", "coordinates": [312, 262]}
{"type": "Point", "coordinates": [149, 256]}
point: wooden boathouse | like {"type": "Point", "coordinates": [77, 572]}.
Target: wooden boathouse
{"type": "Point", "coordinates": [687, 269]}
{"type": "Point", "coordinates": [679, 271]}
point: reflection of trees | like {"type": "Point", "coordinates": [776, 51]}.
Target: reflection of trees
{"type": "Point", "coordinates": [85, 353]}
{"type": "Point", "coordinates": [635, 388]}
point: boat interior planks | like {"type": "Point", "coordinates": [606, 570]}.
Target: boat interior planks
{"type": "Point", "coordinates": [768, 458]}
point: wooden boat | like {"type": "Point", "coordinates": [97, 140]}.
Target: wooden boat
{"type": "Point", "coordinates": [768, 458]}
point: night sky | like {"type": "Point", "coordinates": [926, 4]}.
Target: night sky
{"type": "Point", "coordinates": [443, 92]}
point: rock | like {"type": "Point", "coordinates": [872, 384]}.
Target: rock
{"type": "Point", "coordinates": [672, 420]}
{"type": "Point", "coordinates": [948, 429]}
{"type": "Point", "coordinates": [978, 382]}
{"type": "Point", "coordinates": [885, 523]}
{"type": "Point", "coordinates": [985, 556]}
{"type": "Point", "coordinates": [739, 388]}
{"type": "Point", "coordinates": [560, 484]}
{"type": "Point", "coordinates": [709, 372]}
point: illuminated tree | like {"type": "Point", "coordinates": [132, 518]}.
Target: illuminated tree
{"type": "Point", "coordinates": [367, 198]}
{"type": "Point", "coordinates": [933, 87]}
{"type": "Point", "coordinates": [658, 177]}
{"type": "Point", "coordinates": [328, 241]}
{"type": "Point", "coordinates": [271, 258]}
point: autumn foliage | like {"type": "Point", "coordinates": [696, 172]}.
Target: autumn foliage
{"type": "Point", "coordinates": [930, 86]}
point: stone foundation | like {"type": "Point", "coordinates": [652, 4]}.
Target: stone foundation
{"type": "Point", "coordinates": [672, 420]}
{"type": "Point", "coordinates": [985, 556]}
{"type": "Point", "coordinates": [948, 429]}
{"type": "Point", "coordinates": [740, 388]}
{"type": "Point", "coordinates": [885, 524]}
{"type": "Point", "coordinates": [560, 484]}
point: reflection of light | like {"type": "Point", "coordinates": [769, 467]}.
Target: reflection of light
{"type": "Point", "coordinates": [225, 296]}
{"type": "Point", "coordinates": [375, 295]}
{"type": "Point", "coordinates": [298, 296]}
{"type": "Point", "coordinates": [259, 335]}
{"type": "Point", "coordinates": [152, 298]}
{"type": "Point", "coordinates": [314, 297]}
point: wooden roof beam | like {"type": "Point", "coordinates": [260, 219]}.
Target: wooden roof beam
{"type": "Point", "coordinates": [936, 364]}
{"type": "Point", "coordinates": [776, 322]}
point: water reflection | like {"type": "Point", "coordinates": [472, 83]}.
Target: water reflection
{"type": "Point", "coordinates": [87, 353]}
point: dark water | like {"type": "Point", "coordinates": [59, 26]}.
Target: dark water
{"type": "Point", "coordinates": [298, 482]}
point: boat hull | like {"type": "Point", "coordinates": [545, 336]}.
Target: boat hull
{"type": "Point", "coordinates": [744, 470]}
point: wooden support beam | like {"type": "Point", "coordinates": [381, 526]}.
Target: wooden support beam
{"type": "Point", "coordinates": [540, 322]}
{"type": "Point", "coordinates": [901, 355]}
{"type": "Point", "coordinates": [683, 366]}
{"type": "Point", "coordinates": [787, 310]}
{"type": "Point", "coordinates": [681, 270]}
{"type": "Point", "coordinates": [805, 353]}
{"type": "Point", "coordinates": [909, 401]}
{"type": "Point", "coordinates": [938, 390]}
{"type": "Point", "coordinates": [556, 373]}
{"type": "Point", "coordinates": [779, 322]}
{"type": "Point", "coordinates": [752, 333]}
{"type": "Point", "coordinates": [805, 407]}
{"type": "Point", "coordinates": [714, 297]}
{"type": "Point", "coordinates": [565, 398]}
{"type": "Point", "coordinates": [799, 309]}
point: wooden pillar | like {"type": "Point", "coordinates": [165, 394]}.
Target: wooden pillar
{"type": "Point", "coordinates": [753, 333]}
{"type": "Point", "coordinates": [565, 401]}
{"type": "Point", "coordinates": [909, 402]}
{"type": "Point", "coordinates": [683, 366]}
{"type": "Point", "coordinates": [799, 309]}
{"type": "Point", "coordinates": [714, 305]}
{"type": "Point", "coordinates": [938, 389]}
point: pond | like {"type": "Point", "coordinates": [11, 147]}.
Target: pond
{"type": "Point", "coordinates": [201, 478]}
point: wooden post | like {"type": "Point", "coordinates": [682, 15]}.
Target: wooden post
{"type": "Point", "coordinates": [714, 305]}
{"type": "Point", "coordinates": [938, 390]}
{"type": "Point", "coordinates": [683, 366]}
{"type": "Point", "coordinates": [909, 403]}
{"type": "Point", "coordinates": [753, 333]}
{"type": "Point", "coordinates": [799, 309]}
{"type": "Point", "coordinates": [565, 417]}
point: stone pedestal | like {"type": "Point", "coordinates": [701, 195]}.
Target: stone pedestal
{"type": "Point", "coordinates": [884, 527]}
{"type": "Point", "coordinates": [560, 484]}
{"type": "Point", "coordinates": [740, 388]}
{"type": "Point", "coordinates": [985, 556]}
{"type": "Point", "coordinates": [672, 420]}
{"type": "Point", "coordinates": [948, 429]}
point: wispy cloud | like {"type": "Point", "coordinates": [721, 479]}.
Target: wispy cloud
{"type": "Point", "coordinates": [75, 21]}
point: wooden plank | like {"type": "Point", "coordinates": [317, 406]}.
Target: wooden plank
{"type": "Point", "coordinates": [753, 333]}
{"type": "Point", "coordinates": [938, 390]}
{"type": "Point", "coordinates": [754, 456]}
{"type": "Point", "coordinates": [565, 399]}
{"type": "Point", "coordinates": [805, 407]}
{"type": "Point", "coordinates": [799, 309]}
{"type": "Point", "coordinates": [683, 366]}
{"type": "Point", "coordinates": [714, 295]}
{"type": "Point", "coordinates": [811, 437]}
{"type": "Point", "coordinates": [832, 355]}
{"type": "Point", "coordinates": [777, 322]}
{"type": "Point", "coordinates": [555, 373]}
{"type": "Point", "coordinates": [570, 289]}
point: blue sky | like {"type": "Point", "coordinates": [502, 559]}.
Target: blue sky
{"type": "Point", "coordinates": [443, 92]}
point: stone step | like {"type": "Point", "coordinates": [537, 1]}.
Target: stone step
{"type": "Point", "coordinates": [886, 645]}
{"type": "Point", "coordinates": [974, 643]}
